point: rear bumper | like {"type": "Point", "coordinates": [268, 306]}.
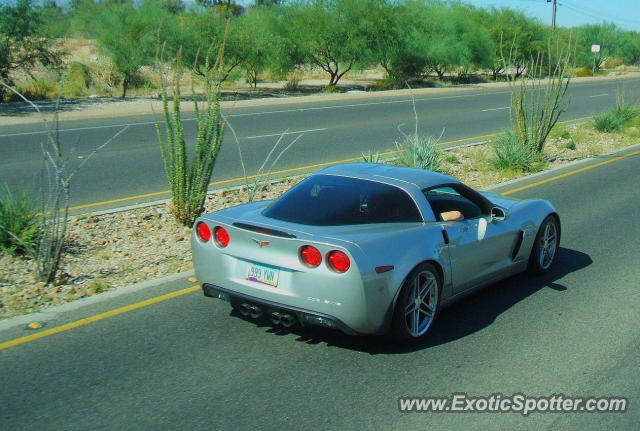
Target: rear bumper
{"type": "Point", "coordinates": [304, 317]}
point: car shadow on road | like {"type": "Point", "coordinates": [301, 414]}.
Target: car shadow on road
{"type": "Point", "coordinates": [471, 314]}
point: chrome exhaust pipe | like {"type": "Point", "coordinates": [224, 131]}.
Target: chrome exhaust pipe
{"type": "Point", "coordinates": [244, 309]}
{"type": "Point", "coordinates": [255, 311]}
{"type": "Point", "coordinates": [275, 318]}
{"type": "Point", "coordinates": [288, 320]}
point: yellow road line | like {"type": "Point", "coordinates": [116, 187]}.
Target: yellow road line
{"type": "Point", "coordinates": [570, 173]}
{"type": "Point", "coordinates": [287, 171]}
{"type": "Point", "coordinates": [151, 301]}
{"type": "Point", "coordinates": [96, 318]}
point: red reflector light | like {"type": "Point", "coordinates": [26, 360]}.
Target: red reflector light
{"type": "Point", "coordinates": [339, 261]}
{"type": "Point", "coordinates": [384, 268]}
{"type": "Point", "coordinates": [203, 231]}
{"type": "Point", "coordinates": [222, 236]}
{"type": "Point", "coordinates": [310, 255]}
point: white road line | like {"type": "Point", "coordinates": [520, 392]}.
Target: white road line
{"type": "Point", "coordinates": [600, 95]}
{"type": "Point", "coordinates": [286, 133]}
{"type": "Point", "coordinates": [77, 129]}
{"type": "Point", "coordinates": [281, 111]}
{"type": "Point", "coordinates": [317, 108]}
{"type": "Point", "coordinates": [496, 109]}
{"type": "Point", "coordinates": [352, 105]}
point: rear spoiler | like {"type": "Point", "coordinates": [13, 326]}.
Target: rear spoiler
{"type": "Point", "coordinates": [264, 230]}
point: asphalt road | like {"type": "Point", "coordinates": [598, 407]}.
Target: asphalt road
{"type": "Point", "coordinates": [131, 164]}
{"type": "Point", "coordinates": [186, 364]}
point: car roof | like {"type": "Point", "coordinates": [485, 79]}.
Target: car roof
{"type": "Point", "coordinates": [389, 173]}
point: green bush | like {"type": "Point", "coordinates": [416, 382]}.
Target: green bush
{"type": "Point", "coordinates": [98, 286]}
{"type": "Point", "coordinates": [293, 84]}
{"type": "Point", "coordinates": [38, 89]}
{"type": "Point", "coordinates": [79, 74]}
{"type": "Point", "coordinates": [78, 80]}
{"type": "Point", "coordinates": [385, 84]}
{"type": "Point", "coordinates": [189, 174]}
{"type": "Point", "coordinates": [571, 145]}
{"type": "Point", "coordinates": [583, 72]}
{"type": "Point", "coordinates": [513, 155]}
{"type": "Point", "coordinates": [331, 88]}
{"type": "Point", "coordinates": [451, 158]}
{"type": "Point", "coordinates": [419, 151]}
{"type": "Point", "coordinates": [19, 223]}
{"type": "Point", "coordinates": [615, 119]}
{"type": "Point", "coordinates": [371, 157]}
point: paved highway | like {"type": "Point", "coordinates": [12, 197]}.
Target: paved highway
{"type": "Point", "coordinates": [186, 364]}
{"type": "Point", "coordinates": [131, 164]}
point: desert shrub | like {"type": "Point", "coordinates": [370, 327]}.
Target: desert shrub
{"type": "Point", "coordinates": [419, 151]}
{"type": "Point", "coordinates": [613, 62]}
{"type": "Point", "coordinates": [583, 72]}
{"type": "Point", "coordinates": [534, 114]}
{"type": "Point", "coordinates": [98, 286]}
{"type": "Point", "coordinates": [79, 74]}
{"type": "Point", "coordinates": [384, 84]}
{"type": "Point", "coordinates": [615, 119]}
{"type": "Point", "coordinates": [189, 175]}
{"type": "Point", "coordinates": [451, 157]}
{"type": "Point", "coordinates": [371, 157]}
{"type": "Point", "coordinates": [19, 223]}
{"type": "Point", "coordinates": [513, 155]}
{"type": "Point", "coordinates": [331, 88]}
{"type": "Point", "coordinates": [292, 84]}
{"type": "Point", "coordinates": [78, 80]}
{"type": "Point", "coordinates": [36, 89]}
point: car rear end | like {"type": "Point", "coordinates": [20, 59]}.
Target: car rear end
{"type": "Point", "coordinates": [284, 275]}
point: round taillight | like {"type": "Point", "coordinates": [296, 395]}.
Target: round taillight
{"type": "Point", "coordinates": [339, 261]}
{"type": "Point", "coordinates": [222, 236]}
{"type": "Point", "coordinates": [310, 255]}
{"type": "Point", "coordinates": [203, 231]}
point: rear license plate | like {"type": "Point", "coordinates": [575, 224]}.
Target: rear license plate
{"type": "Point", "coordinates": [263, 274]}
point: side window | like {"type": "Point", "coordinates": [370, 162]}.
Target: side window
{"type": "Point", "coordinates": [447, 199]}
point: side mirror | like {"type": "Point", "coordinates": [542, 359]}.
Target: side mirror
{"type": "Point", "coordinates": [498, 214]}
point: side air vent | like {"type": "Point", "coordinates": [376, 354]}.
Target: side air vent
{"type": "Point", "coordinates": [264, 230]}
{"type": "Point", "coordinates": [518, 244]}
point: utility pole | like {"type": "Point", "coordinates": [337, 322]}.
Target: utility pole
{"type": "Point", "coordinates": [555, 11]}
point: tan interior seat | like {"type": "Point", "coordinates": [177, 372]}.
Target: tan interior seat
{"type": "Point", "coordinates": [451, 216]}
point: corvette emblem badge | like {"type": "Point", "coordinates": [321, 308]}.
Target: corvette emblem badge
{"type": "Point", "coordinates": [260, 243]}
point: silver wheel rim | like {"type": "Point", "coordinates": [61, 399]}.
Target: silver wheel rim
{"type": "Point", "coordinates": [420, 306]}
{"type": "Point", "coordinates": [548, 245]}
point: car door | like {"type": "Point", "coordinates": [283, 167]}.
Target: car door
{"type": "Point", "coordinates": [479, 249]}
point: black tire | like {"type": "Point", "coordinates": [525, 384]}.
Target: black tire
{"type": "Point", "coordinates": [402, 326]}
{"type": "Point", "coordinates": [538, 264]}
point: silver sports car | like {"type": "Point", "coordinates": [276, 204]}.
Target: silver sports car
{"type": "Point", "coordinates": [369, 249]}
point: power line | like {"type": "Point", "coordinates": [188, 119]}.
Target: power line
{"type": "Point", "coordinates": [595, 14]}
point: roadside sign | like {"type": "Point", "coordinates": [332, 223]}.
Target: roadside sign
{"type": "Point", "coordinates": [595, 48]}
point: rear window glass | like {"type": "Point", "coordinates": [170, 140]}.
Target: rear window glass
{"type": "Point", "coordinates": [326, 200]}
